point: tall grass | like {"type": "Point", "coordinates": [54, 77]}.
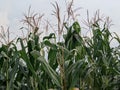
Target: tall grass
{"type": "Point", "coordinates": [82, 62]}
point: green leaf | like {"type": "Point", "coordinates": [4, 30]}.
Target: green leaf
{"type": "Point", "coordinates": [50, 71]}
{"type": "Point", "coordinates": [76, 27]}
{"type": "Point", "coordinates": [35, 54]}
{"type": "Point", "coordinates": [48, 43]}
{"type": "Point", "coordinates": [52, 35]}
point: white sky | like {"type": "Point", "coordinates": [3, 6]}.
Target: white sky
{"type": "Point", "coordinates": [11, 11]}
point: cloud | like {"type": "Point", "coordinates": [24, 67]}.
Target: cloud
{"type": "Point", "coordinates": [5, 8]}
{"type": "Point", "coordinates": [4, 21]}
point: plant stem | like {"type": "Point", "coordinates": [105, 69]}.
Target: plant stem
{"type": "Point", "coordinates": [7, 88]}
{"type": "Point", "coordinates": [62, 71]}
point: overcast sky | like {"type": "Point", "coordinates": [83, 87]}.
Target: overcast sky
{"type": "Point", "coordinates": [11, 11]}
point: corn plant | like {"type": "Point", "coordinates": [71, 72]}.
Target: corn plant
{"type": "Point", "coordinates": [76, 62]}
{"type": "Point", "coordinates": [85, 63]}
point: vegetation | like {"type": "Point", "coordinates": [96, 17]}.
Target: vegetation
{"type": "Point", "coordinates": [84, 62]}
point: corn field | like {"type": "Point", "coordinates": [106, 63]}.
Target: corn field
{"type": "Point", "coordinates": [77, 61]}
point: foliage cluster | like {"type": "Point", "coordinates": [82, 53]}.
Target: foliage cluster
{"type": "Point", "coordinates": [88, 63]}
